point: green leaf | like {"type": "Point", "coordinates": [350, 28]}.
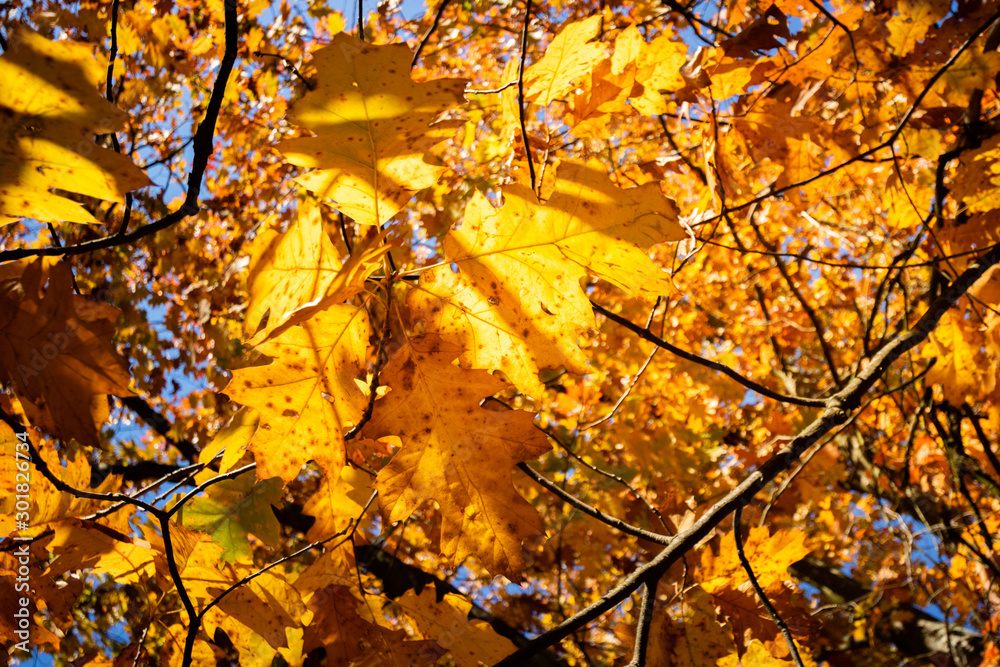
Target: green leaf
{"type": "Point", "coordinates": [234, 508]}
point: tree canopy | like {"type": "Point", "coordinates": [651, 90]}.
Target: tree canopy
{"type": "Point", "coordinates": [527, 332]}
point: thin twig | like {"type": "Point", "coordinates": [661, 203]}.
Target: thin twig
{"type": "Point", "coordinates": [427, 35]}
{"type": "Point", "coordinates": [295, 70]}
{"type": "Point", "coordinates": [761, 595]}
{"type": "Point", "coordinates": [838, 408]}
{"type": "Point", "coordinates": [520, 92]}
{"type": "Point", "coordinates": [701, 361]}
{"type": "Point", "coordinates": [490, 91]}
{"type": "Point", "coordinates": [607, 519]}
{"type": "Point", "coordinates": [109, 94]}
{"type": "Point", "coordinates": [379, 360]}
{"type": "Point", "coordinates": [635, 380]}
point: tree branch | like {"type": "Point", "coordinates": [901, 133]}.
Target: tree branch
{"type": "Point", "coordinates": [837, 412]}
{"type": "Point", "coordinates": [646, 334]}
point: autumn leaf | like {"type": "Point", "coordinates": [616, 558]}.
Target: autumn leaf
{"type": "Point", "coordinates": [48, 117]}
{"type": "Point", "coordinates": [566, 59]}
{"type": "Point", "coordinates": [693, 638]}
{"type": "Point", "coordinates": [756, 656]}
{"type": "Point", "coordinates": [961, 368]}
{"type": "Point", "coordinates": [349, 639]}
{"type": "Point", "coordinates": [306, 394]}
{"type": "Point", "coordinates": [372, 127]}
{"type": "Point", "coordinates": [337, 503]}
{"type": "Point", "coordinates": [233, 508]}
{"type": "Point", "coordinates": [289, 268]}
{"type": "Point", "coordinates": [447, 622]}
{"type": "Point", "coordinates": [233, 440]}
{"type": "Point", "coordinates": [86, 544]}
{"type": "Point", "coordinates": [769, 557]}
{"type": "Point", "coordinates": [455, 453]}
{"type": "Point", "coordinates": [56, 351]}
{"type": "Point", "coordinates": [911, 24]}
{"type": "Point", "coordinates": [516, 303]}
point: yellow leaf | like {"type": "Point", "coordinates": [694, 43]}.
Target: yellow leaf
{"type": "Point", "coordinates": [910, 25]}
{"type": "Point", "coordinates": [336, 504]}
{"type": "Point", "coordinates": [658, 68]}
{"type": "Point", "coordinates": [457, 453]}
{"type": "Point", "coordinates": [288, 269]}
{"type": "Point", "coordinates": [89, 545]}
{"type": "Point", "coordinates": [961, 368]}
{"type": "Point", "coordinates": [371, 124]}
{"type": "Point", "coordinates": [516, 303]}
{"type": "Point", "coordinates": [756, 655]}
{"type": "Point", "coordinates": [56, 349]}
{"type": "Point", "coordinates": [769, 557]}
{"type": "Point", "coordinates": [306, 395]}
{"type": "Point", "coordinates": [49, 112]}
{"type": "Point", "coordinates": [470, 642]}
{"type": "Point", "coordinates": [233, 439]}
{"type": "Point", "coordinates": [566, 60]}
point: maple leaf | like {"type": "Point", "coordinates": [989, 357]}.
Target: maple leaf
{"type": "Point", "coordinates": [769, 557]}
{"type": "Point", "coordinates": [516, 303]}
{"type": "Point", "coordinates": [566, 59]}
{"type": "Point", "coordinates": [233, 508]}
{"type": "Point", "coordinates": [306, 394]}
{"type": "Point", "coordinates": [372, 128]}
{"type": "Point", "coordinates": [961, 368]}
{"type": "Point", "coordinates": [456, 453]}
{"type": "Point", "coordinates": [56, 351]}
{"type": "Point", "coordinates": [49, 114]}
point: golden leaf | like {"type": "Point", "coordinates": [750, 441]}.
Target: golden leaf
{"type": "Point", "coordinates": [457, 453]}
{"type": "Point", "coordinates": [49, 113]}
{"type": "Point", "coordinates": [372, 128]}
{"type": "Point", "coordinates": [306, 395]}
{"type": "Point", "coordinates": [568, 58]}
{"type": "Point", "coordinates": [516, 303]}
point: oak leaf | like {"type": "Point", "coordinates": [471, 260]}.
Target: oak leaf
{"type": "Point", "coordinates": [568, 58]}
{"type": "Point", "coordinates": [56, 350]}
{"type": "Point", "coordinates": [337, 503]}
{"type": "Point", "coordinates": [49, 114]}
{"type": "Point", "coordinates": [456, 453]}
{"type": "Point", "coordinates": [769, 557]}
{"type": "Point", "coordinates": [349, 638]}
{"type": "Point", "coordinates": [371, 123]}
{"type": "Point", "coordinates": [306, 394]}
{"type": "Point", "coordinates": [289, 268]}
{"type": "Point", "coordinates": [446, 621]}
{"type": "Point", "coordinates": [88, 545]}
{"type": "Point", "coordinates": [516, 303]}
{"type": "Point", "coordinates": [693, 638]}
{"type": "Point", "coordinates": [233, 508]}
{"type": "Point", "coordinates": [961, 369]}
